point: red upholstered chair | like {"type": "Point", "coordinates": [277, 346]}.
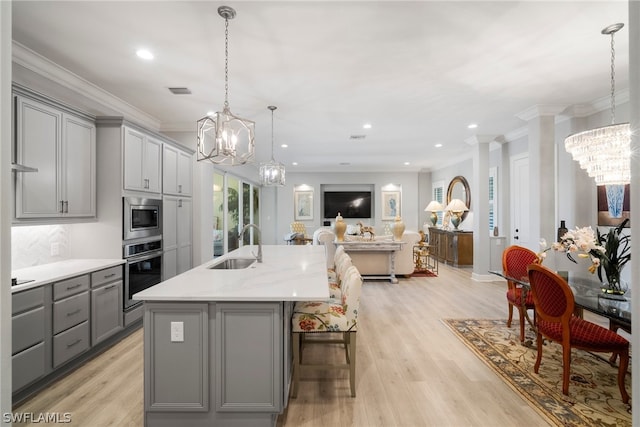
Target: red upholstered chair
{"type": "Point", "coordinates": [554, 304]}
{"type": "Point", "coordinates": [515, 260]}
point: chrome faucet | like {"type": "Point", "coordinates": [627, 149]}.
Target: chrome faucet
{"type": "Point", "coordinates": [245, 228]}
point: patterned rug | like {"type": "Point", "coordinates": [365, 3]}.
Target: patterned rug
{"type": "Point", "coordinates": [423, 273]}
{"type": "Point", "coordinates": [594, 398]}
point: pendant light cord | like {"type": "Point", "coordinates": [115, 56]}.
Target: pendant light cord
{"type": "Point", "coordinates": [613, 81]}
{"type": "Point", "coordinates": [226, 63]}
{"type": "Point", "coordinates": [272, 108]}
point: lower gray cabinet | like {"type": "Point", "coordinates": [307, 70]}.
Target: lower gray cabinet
{"type": "Point", "coordinates": [248, 353]}
{"type": "Point", "coordinates": [70, 343]}
{"type": "Point", "coordinates": [106, 311]}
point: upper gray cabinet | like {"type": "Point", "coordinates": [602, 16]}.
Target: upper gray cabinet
{"type": "Point", "coordinates": [62, 147]}
{"type": "Point", "coordinates": [142, 162]}
{"type": "Point", "coordinates": [176, 171]}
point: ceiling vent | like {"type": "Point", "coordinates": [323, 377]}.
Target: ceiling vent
{"type": "Point", "coordinates": [180, 90]}
{"type": "Point", "coordinates": [357, 136]}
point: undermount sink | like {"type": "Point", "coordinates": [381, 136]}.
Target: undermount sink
{"type": "Point", "coordinates": [233, 264]}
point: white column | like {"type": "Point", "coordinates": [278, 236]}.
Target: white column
{"type": "Point", "coordinates": [541, 126]}
{"type": "Point", "coordinates": [5, 208]}
{"type": "Point", "coordinates": [480, 208]}
{"type": "Point", "coordinates": [634, 95]}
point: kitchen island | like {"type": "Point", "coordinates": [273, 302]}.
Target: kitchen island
{"type": "Point", "coordinates": [217, 341]}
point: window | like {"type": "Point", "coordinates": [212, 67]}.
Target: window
{"type": "Point", "coordinates": [438, 195]}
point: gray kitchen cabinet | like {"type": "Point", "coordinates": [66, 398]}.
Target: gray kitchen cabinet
{"type": "Point", "coordinates": [61, 145]}
{"type": "Point", "coordinates": [142, 161]}
{"type": "Point", "coordinates": [29, 331]}
{"type": "Point", "coordinates": [106, 303]}
{"type": "Point", "coordinates": [177, 171]}
{"type": "Point", "coordinates": [176, 235]}
{"type": "Point", "coordinates": [70, 319]}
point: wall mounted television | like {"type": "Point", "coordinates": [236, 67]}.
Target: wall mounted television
{"type": "Point", "coordinates": [350, 204]}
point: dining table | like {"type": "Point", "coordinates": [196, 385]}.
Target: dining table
{"type": "Point", "coordinates": [588, 295]}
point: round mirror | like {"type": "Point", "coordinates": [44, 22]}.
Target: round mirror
{"type": "Point", "coordinates": [459, 189]}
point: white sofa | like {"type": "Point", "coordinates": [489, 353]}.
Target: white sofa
{"type": "Point", "coordinates": [371, 263]}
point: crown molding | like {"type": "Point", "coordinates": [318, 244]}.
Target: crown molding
{"type": "Point", "coordinates": [48, 69]}
{"type": "Point", "coordinates": [539, 111]}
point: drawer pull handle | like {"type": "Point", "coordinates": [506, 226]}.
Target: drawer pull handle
{"type": "Point", "coordinates": [109, 275]}
{"type": "Point", "coordinates": [76, 342]}
{"type": "Point", "coordinates": [74, 312]}
{"type": "Point", "coordinates": [74, 286]}
{"type": "Point", "coordinates": [109, 287]}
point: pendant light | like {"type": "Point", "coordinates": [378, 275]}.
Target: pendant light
{"type": "Point", "coordinates": [605, 152]}
{"type": "Point", "coordinates": [224, 138]}
{"type": "Point", "coordinates": [272, 172]}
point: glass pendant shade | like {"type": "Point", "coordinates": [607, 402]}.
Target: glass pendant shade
{"type": "Point", "coordinates": [272, 172]}
{"type": "Point", "coordinates": [605, 153]}
{"type": "Point", "coordinates": [224, 138]}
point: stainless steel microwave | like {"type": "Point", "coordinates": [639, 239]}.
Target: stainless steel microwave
{"type": "Point", "coordinates": [141, 218]}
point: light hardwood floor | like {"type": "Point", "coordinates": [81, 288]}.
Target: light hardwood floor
{"type": "Point", "coordinates": [411, 370]}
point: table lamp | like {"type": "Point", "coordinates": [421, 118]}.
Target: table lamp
{"type": "Point", "coordinates": [434, 206]}
{"type": "Point", "coordinates": [456, 207]}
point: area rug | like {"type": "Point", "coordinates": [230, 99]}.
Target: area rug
{"type": "Point", "coordinates": [594, 398]}
{"type": "Point", "coordinates": [423, 273]}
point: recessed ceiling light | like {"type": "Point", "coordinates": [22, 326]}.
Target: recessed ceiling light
{"type": "Point", "coordinates": [407, 163]}
{"type": "Point", "coordinates": [144, 54]}
{"type": "Point", "coordinates": [284, 145]}
{"type": "Point", "coordinates": [472, 126]}
{"type": "Point", "coordinates": [295, 163]}
{"type": "Point", "coordinates": [438, 145]}
{"type": "Point", "coordinates": [366, 126]}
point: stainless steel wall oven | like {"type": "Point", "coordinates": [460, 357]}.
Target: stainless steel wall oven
{"type": "Point", "coordinates": [142, 270]}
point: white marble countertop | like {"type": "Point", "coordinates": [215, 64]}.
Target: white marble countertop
{"type": "Point", "coordinates": [287, 273]}
{"type": "Point", "coordinates": [48, 273]}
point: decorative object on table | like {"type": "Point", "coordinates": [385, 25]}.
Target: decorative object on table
{"type": "Point", "coordinates": [303, 205]}
{"type": "Point", "coordinates": [391, 205]}
{"type": "Point", "coordinates": [562, 230]}
{"type": "Point", "coordinates": [366, 229]}
{"type": "Point", "coordinates": [609, 252]}
{"type": "Point", "coordinates": [423, 238]}
{"type": "Point", "coordinates": [614, 204]}
{"type": "Point", "coordinates": [340, 227]}
{"type": "Point", "coordinates": [456, 207]}
{"type": "Point", "coordinates": [605, 152]}
{"type": "Point", "coordinates": [434, 207]}
{"type": "Point", "coordinates": [593, 400]}
{"type": "Point", "coordinates": [398, 228]}
{"type": "Point", "coordinates": [272, 173]}
{"type": "Point", "coordinates": [224, 138]}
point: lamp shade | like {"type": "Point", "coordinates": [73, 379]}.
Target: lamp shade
{"type": "Point", "coordinates": [456, 205]}
{"type": "Point", "coordinates": [434, 206]}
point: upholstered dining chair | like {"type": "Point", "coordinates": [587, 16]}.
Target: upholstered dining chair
{"type": "Point", "coordinates": [554, 302]}
{"type": "Point", "coordinates": [515, 260]}
{"type": "Point", "coordinates": [314, 322]}
{"type": "Point", "coordinates": [342, 264]}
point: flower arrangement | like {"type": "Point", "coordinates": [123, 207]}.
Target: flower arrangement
{"type": "Point", "coordinates": [609, 252]}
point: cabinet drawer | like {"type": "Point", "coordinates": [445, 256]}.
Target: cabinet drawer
{"type": "Point", "coordinates": [70, 286]}
{"type": "Point", "coordinates": [23, 301]}
{"type": "Point", "coordinates": [71, 311]}
{"type": "Point", "coordinates": [27, 329]}
{"type": "Point", "coordinates": [28, 366]}
{"type": "Point", "coordinates": [105, 276]}
{"type": "Point", "coordinates": [70, 343]}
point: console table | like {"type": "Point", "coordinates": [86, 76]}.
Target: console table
{"type": "Point", "coordinates": [389, 247]}
{"type": "Point", "coordinates": [452, 247]}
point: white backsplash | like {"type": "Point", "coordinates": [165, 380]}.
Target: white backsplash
{"type": "Point", "coordinates": [34, 245]}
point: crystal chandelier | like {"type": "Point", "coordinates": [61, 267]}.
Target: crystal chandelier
{"type": "Point", "coordinates": [224, 138]}
{"type": "Point", "coordinates": [605, 153]}
{"type": "Point", "coordinates": [272, 172]}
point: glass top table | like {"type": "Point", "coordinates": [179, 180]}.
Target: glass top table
{"type": "Point", "coordinates": [588, 296]}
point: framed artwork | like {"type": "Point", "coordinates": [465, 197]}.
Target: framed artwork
{"type": "Point", "coordinates": [614, 205]}
{"type": "Point", "coordinates": [391, 204]}
{"type": "Point", "coordinates": [303, 205]}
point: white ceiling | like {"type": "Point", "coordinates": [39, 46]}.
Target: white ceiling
{"type": "Point", "coordinates": [418, 71]}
